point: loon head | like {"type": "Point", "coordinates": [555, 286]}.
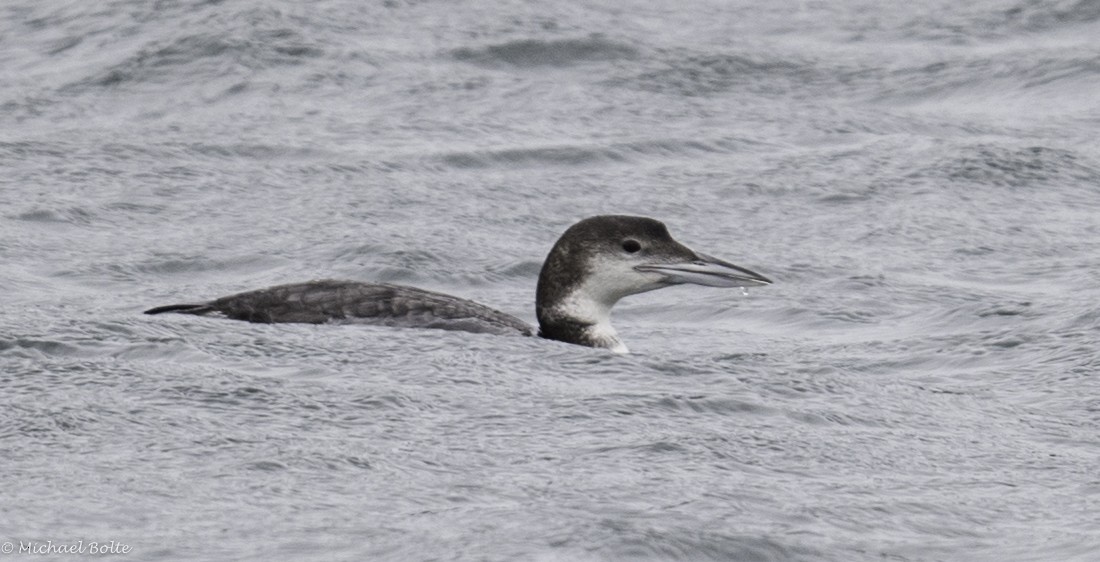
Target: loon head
{"type": "Point", "coordinates": [602, 259]}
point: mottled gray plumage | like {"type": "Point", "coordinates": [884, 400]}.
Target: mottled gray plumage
{"type": "Point", "coordinates": [351, 302]}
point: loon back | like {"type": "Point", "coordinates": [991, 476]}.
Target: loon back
{"type": "Point", "coordinates": [351, 302]}
{"type": "Point", "coordinates": [593, 264]}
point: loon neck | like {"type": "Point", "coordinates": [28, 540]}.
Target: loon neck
{"type": "Point", "coordinates": [578, 319]}
{"type": "Point", "coordinates": [570, 330]}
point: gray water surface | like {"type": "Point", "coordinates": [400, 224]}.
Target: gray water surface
{"type": "Point", "coordinates": [921, 179]}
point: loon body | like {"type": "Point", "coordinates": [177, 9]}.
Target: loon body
{"type": "Point", "coordinates": [595, 263]}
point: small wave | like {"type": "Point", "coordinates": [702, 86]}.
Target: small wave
{"type": "Point", "coordinates": [225, 50]}
{"type": "Point", "coordinates": [1028, 16]}
{"type": "Point", "coordinates": [266, 466]}
{"type": "Point", "coordinates": [963, 24]}
{"type": "Point", "coordinates": [1013, 167]}
{"type": "Point", "coordinates": [105, 274]}
{"type": "Point", "coordinates": [835, 418]}
{"type": "Point", "coordinates": [712, 405]}
{"type": "Point", "coordinates": [676, 544]}
{"type": "Point", "coordinates": [550, 156]}
{"type": "Point", "coordinates": [223, 394]}
{"type": "Point", "coordinates": [1007, 76]}
{"type": "Point", "coordinates": [536, 53]}
{"type": "Point", "coordinates": [69, 215]}
{"type": "Point", "coordinates": [573, 155]}
{"type": "Point", "coordinates": [389, 266]}
{"type": "Point", "coordinates": [1010, 309]}
{"type": "Point", "coordinates": [27, 347]}
{"type": "Point", "coordinates": [1041, 16]}
{"type": "Point", "coordinates": [254, 151]}
{"type": "Point", "coordinates": [28, 150]}
{"type": "Point", "coordinates": [174, 266]}
{"type": "Point", "coordinates": [524, 269]}
{"type": "Point", "coordinates": [707, 74]}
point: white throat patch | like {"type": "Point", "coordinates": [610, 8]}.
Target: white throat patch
{"type": "Point", "coordinates": [609, 280]}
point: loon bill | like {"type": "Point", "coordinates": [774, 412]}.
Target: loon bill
{"type": "Point", "coordinates": [595, 263]}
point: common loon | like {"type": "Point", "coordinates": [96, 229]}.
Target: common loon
{"type": "Point", "coordinates": [595, 263]}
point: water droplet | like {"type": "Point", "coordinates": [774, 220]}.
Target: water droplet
{"type": "Point", "coordinates": [744, 292]}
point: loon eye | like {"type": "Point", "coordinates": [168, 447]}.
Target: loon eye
{"type": "Point", "coordinates": [631, 246]}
